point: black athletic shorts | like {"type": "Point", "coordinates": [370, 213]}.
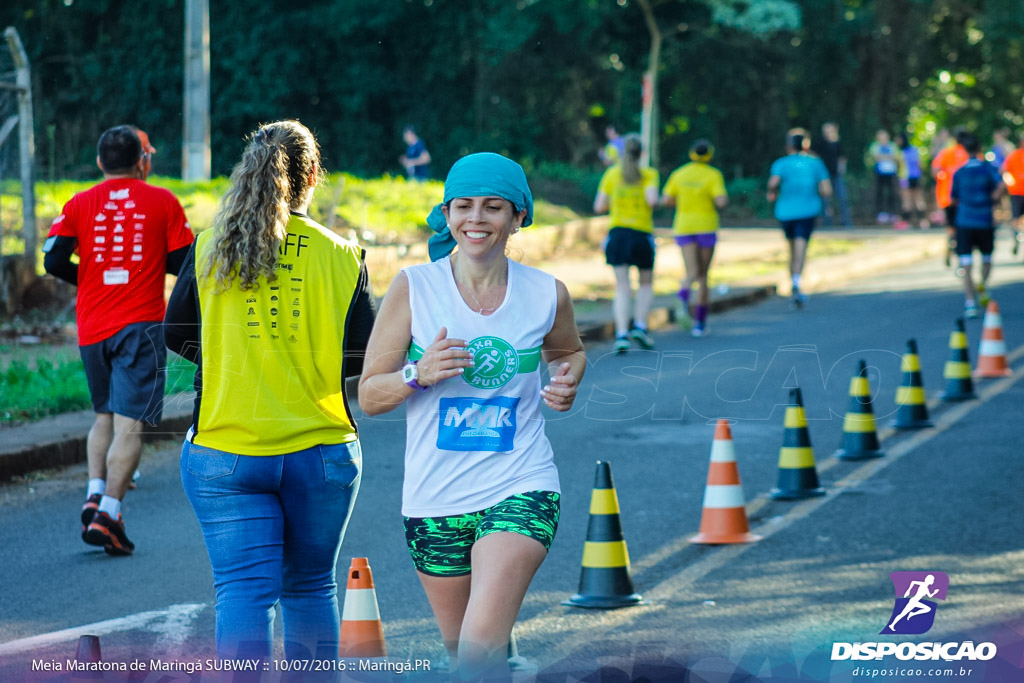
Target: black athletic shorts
{"type": "Point", "coordinates": [1017, 205]}
{"type": "Point", "coordinates": [629, 247]}
{"type": "Point", "coordinates": [800, 228]}
{"type": "Point", "coordinates": [913, 183]}
{"type": "Point", "coordinates": [969, 239]}
{"type": "Point", "coordinates": [127, 372]}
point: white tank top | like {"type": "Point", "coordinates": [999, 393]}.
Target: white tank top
{"type": "Point", "coordinates": [476, 439]}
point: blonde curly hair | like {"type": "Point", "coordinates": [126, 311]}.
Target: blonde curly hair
{"type": "Point", "coordinates": [271, 179]}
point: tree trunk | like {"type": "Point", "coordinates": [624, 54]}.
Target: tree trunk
{"type": "Point", "coordinates": [648, 123]}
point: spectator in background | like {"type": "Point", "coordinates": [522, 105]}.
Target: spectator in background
{"type": "Point", "coordinates": [1001, 147]}
{"type": "Point", "coordinates": [697, 190]}
{"type": "Point", "coordinates": [829, 149]}
{"type": "Point", "coordinates": [611, 153]}
{"type": "Point", "coordinates": [911, 193]}
{"type": "Point", "coordinates": [128, 236]}
{"type": "Point", "coordinates": [1013, 176]}
{"type": "Point", "coordinates": [276, 311]}
{"type": "Point", "coordinates": [944, 165]}
{"type": "Point", "coordinates": [883, 158]}
{"type": "Point", "coordinates": [798, 183]}
{"type": "Point", "coordinates": [976, 189]}
{"type": "Point", "coordinates": [416, 159]}
{"type": "Point", "coordinates": [629, 192]}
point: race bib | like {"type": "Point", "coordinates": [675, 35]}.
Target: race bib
{"type": "Point", "coordinates": [115, 276]}
{"type": "Point", "coordinates": [477, 424]}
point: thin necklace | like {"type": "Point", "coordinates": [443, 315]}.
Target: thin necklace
{"type": "Point", "coordinates": [479, 307]}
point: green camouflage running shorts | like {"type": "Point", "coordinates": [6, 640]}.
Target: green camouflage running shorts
{"type": "Point", "coordinates": [441, 546]}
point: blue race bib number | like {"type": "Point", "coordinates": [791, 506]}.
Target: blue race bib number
{"type": "Point", "coordinates": [477, 424]}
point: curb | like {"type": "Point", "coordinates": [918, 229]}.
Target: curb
{"type": "Point", "coordinates": [68, 445]}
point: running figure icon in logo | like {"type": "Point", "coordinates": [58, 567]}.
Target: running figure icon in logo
{"type": "Point", "coordinates": [915, 588]}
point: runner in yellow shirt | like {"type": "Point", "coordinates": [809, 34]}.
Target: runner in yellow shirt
{"type": "Point", "coordinates": [697, 190]}
{"type": "Point", "coordinates": [629, 193]}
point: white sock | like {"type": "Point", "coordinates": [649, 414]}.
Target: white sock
{"type": "Point", "coordinates": [796, 281]}
{"type": "Point", "coordinates": [96, 486]}
{"type": "Point", "coordinates": [639, 325]}
{"type": "Point", "coordinates": [112, 506]}
{"type": "Point", "coordinates": [621, 333]}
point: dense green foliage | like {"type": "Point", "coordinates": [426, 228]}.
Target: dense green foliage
{"type": "Point", "coordinates": [537, 79]}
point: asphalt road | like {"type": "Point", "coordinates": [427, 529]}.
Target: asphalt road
{"type": "Point", "coordinates": [945, 499]}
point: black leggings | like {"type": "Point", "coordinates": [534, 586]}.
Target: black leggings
{"type": "Point", "coordinates": [886, 197]}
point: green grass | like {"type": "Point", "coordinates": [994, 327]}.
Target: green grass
{"type": "Point", "coordinates": [33, 386]}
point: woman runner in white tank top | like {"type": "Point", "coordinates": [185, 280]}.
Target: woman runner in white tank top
{"type": "Point", "coordinates": [461, 340]}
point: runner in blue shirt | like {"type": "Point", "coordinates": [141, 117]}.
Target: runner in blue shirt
{"type": "Point", "coordinates": [798, 184]}
{"type": "Point", "coordinates": [977, 186]}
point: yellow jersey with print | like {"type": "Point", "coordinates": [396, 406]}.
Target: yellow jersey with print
{"type": "Point", "coordinates": [272, 356]}
{"type": "Point", "coordinates": [627, 206]}
{"type": "Point", "coordinates": [694, 187]}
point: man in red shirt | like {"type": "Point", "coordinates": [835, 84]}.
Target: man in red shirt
{"type": "Point", "coordinates": [128, 235]}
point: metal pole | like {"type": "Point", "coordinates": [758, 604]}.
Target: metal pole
{"type": "Point", "coordinates": [26, 151]}
{"type": "Point", "coordinates": [195, 149]}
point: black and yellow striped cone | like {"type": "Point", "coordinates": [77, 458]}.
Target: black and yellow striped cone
{"type": "Point", "coordinates": [604, 581]}
{"type": "Point", "coordinates": [860, 440]}
{"type": "Point", "coordinates": [911, 410]}
{"type": "Point", "coordinates": [957, 373]}
{"type": "Point", "coordinates": [798, 477]}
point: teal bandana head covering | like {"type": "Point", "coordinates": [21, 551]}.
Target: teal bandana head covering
{"type": "Point", "coordinates": [479, 175]}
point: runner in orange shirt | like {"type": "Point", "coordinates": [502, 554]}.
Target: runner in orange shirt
{"type": "Point", "coordinates": [1013, 176]}
{"type": "Point", "coordinates": [944, 165]}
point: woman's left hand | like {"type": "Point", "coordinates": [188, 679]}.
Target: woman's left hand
{"type": "Point", "coordinates": [560, 393]}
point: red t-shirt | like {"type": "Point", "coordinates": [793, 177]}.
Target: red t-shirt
{"type": "Point", "coordinates": [124, 228]}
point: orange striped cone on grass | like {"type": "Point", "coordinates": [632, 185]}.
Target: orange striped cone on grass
{"type": "Point", "coordinates": [724, 517]}
{"type": "Point", "coordinates": [798, 477]}
{"type": "Point", "coordinates": [992, 352]}
{"type": "Point", "coordinates": [911, 410]}
{"type": "Point", "coordinates": [957, 372]}
{"type": "Point", "coordinates": [362, 634]}
{"type": "Point", "coordinates": [604, 580]}
{"type": "Point", "coordinates": [860, 440]}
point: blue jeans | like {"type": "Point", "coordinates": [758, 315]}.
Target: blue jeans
{"type": "Point", "coordinates": [842, 201]}
{"type": "Point", "coordinates": [273, 527]}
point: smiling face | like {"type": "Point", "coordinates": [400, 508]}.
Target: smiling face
{"type": "Point", "coordinates": [480, 224]}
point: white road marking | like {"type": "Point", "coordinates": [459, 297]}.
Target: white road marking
{"type": "Point", "coordinates": [171, 626]}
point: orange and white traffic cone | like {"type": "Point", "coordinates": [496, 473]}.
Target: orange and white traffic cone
{"type": "Point", "coordinates": [362, 634]}
{"type": "Point", "coordinates": [992, 352]}
{"type": "Point", "coordinates": [724, 517]}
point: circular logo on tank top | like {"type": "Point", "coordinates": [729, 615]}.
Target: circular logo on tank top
{"type": "Point", "coordinates": [495, 363]}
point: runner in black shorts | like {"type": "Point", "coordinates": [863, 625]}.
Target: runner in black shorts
{"type": "Point", "coordinates": [797, 183]}
{"type": "Point", "coordinates": [629, 192]}
{"type": "Point", "coordinates": [977, 187]}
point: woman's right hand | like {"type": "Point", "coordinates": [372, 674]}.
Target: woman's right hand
{"type": "Point", "coordinates": [444, 358]}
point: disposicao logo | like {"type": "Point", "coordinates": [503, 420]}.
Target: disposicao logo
{"type": "Point", "coordinates": [912, 614]}
{"type": "Point", "coordinates": [916, 592]}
